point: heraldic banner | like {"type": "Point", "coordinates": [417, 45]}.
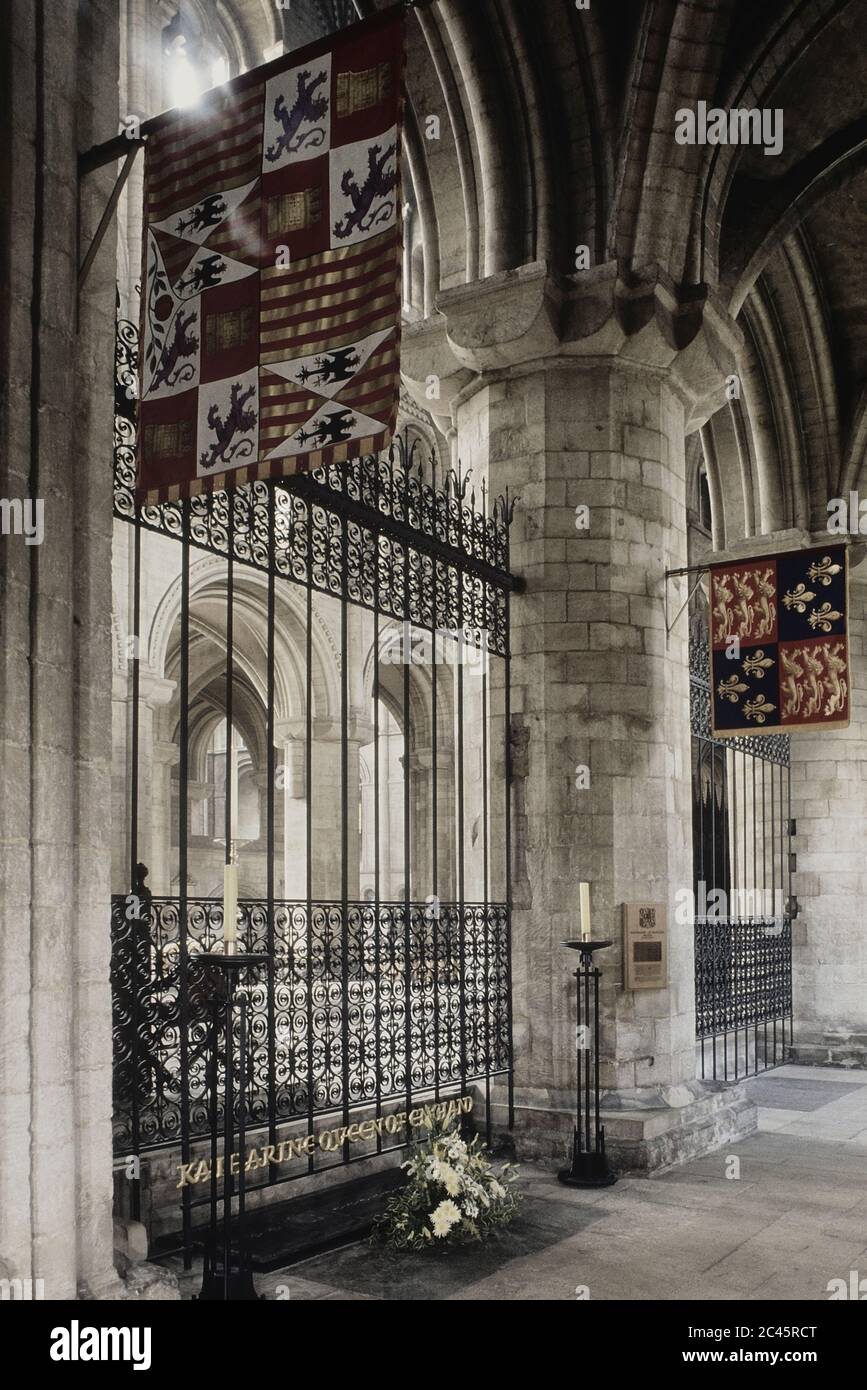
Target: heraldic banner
{"type": "Point", "coordinates": [271, 278]}
{"type": "Point", "coordinates": [779, 651]}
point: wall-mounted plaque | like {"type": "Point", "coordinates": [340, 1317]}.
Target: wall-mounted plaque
{"type": "Point", "coordinates": [645, 952]}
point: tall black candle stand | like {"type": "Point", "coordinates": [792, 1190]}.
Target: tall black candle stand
{"type": "Point", "coordinates": [589, 1167]}
{"type": "Point", "coordinates": [227, 1273]}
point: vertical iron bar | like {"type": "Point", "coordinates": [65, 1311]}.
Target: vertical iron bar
{"type": "Point", "coordinates": [308, 812]}
{"type": "Point", "coordinates": [774, 841]}
{"type": "Point", "coordinates": [462, 923]}
{"type": "Point", "coordinates": [487, 895]}
{"type": "Point", "coordinates": [586, 968]}
{"type": "Point", "coordinates": [788, 1002]}
{"type": "Point", "coordinates": [579, 1089]}
{"type": "Point", "coordinates": [435, 928]}
{"type": "Point", "coordinates": [744, 869]}
{"type": "Point", "coordinates": [344, 822]}
{"type": "Point", "coordinates": [242, 1131]}
{"type": "Point", "coordinates": [698, 795]}
{"type": "Point", "coordinates": [406, 653]}
{"type": "Point", "coordinates": [270, 770]}
{"type": "Point", "coordinates": [228, 1133]}
{"type": "Point", "coordinates": [596, 974]}
{"type": "Point", "coordinates": [230, 677]}
{"type": "Point", "coordinates": [377, 934]}
{"type": "Point", "coordinates": [507, 764]}
{"type": "Point", "coordinates": [183, 869]}
{"type": "Point", "coordinates": [136, 955]}
{"type": "Point", "coordinates": [755, 829]}
{"type": "Point", "coordinates": [765, 846]}
{"type": "Point", "coordinates": [734, 818]}
{"type": "Point", "coordinates": [134, 731]}
{"type": "Point", "coordinates": [759, 953]}
{"type": "Point", "coordinates": [213, 1080]}
{"type": "Point", "coordinates": [716, 872]}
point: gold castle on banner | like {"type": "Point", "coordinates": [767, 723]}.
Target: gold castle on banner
{"type": "Point", "coordinates": [425, 1117]}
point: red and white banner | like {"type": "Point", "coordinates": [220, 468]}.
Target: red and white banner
{"type": "Point", "coordinates": [271, 283]}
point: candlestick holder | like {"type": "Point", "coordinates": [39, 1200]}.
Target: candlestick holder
{"type": "Point", "coordinates": [227, 1273]}
{"type": "Point", "coordinates": [589, 1167]}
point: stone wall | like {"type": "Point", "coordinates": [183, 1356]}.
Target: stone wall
{"type": "Point", "coordinates": [59, 82]}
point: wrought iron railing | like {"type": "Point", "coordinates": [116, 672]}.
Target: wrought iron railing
{"type": "Point", "coordinates": [743, 974]}
{"type": "Point", "coordinates": [742, 853]}
{"type": "Point", "coordinates": [332, 1024]}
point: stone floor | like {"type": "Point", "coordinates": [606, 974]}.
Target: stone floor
{"type": "Point", "coordinates": [779, 1224]}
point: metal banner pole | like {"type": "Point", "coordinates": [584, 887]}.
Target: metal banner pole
{"type": "Point", "coordinates": [227, 1275]}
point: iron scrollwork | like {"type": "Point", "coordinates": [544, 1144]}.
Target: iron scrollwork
{"type": "Point", "coordinates": [412, 992]}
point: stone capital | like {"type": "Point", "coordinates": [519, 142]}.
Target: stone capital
{"type": "Point", "coordinates": [165, 753]}
{"type": "Point", "coordinates": [155, 690]}
{"type": "Point", "coordinates": [530, 318]}
{"type": "Point", "coordinates": [288, 731]}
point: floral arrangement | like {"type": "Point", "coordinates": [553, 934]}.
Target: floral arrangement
{"type": "Point", "coordinates": [454, 1196]}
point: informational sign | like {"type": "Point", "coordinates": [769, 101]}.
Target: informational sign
{"type": "Point", "coordinates": [645, 951]}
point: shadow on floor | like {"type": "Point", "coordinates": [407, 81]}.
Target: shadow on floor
{"type": "Point", "coordinates": [435, 1275]}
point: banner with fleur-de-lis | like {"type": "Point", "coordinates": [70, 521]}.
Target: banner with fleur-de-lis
{"type": "Point", "coordinates": [271, 281]}
{"type": "Point", "coordinates": [779, 649]}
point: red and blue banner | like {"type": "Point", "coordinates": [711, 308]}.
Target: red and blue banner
{"type": "Point", "coordinates": [271, 283]}
{"type": "Point", "coordinates": [779, 649]}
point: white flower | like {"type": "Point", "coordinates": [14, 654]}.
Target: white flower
{"type": "Point", "coordinates": [497, 1188]}
{"type": "Point", "coordinates": [450, 1180]}
{"type": "Point", "coordinates": [444, 1217]}
{"type": "Point", "coordinates": [470, 1208]}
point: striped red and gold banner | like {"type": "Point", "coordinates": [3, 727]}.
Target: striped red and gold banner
{"type": "Point", "coordinates": [271, 277]}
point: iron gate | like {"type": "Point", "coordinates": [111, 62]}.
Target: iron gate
{"type": "Point", "coordinates": [359, 617]}
{"type": "Point", "coordinates": [743, 904]}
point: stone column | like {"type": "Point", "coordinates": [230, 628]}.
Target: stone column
{"type": "Point", "coordinates": [292, 777]}
{"type": "Point", "coordinates": [829, 807]}
{"type": "Point", "coordinates": [580, 405]}
{"type": "Point", "coordinates": [165, 756]}
{"type": "Point", "coordinates": [421, 821]}
{"type": "Point", "coordinates": [326, 807]}
{"type": "Point", "coordinates": [55, 662]}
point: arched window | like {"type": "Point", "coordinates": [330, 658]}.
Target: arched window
{"type": "Point", "coordinates": [192, 62]}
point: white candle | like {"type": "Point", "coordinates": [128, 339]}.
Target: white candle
{"type": "Point", "coordinates": [584, 899]}
{"type": "Point", "coordinates": [230, 906]}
